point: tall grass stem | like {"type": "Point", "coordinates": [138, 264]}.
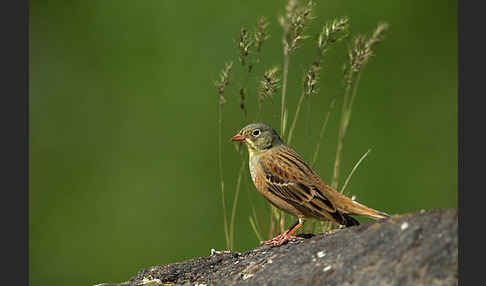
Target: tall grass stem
{"type": "Point", "coordinates": [220, 164]}
{"type": "Point", "coordinates": [323, 130]}
{"type": "Point", "coordinates": [284, 91]}
{"type": "Point", "coordinates": [294, 121]}
{"type": "Point", "coordinates": [235, 203]}
{"type": "Point", "coordinates": [353, 170]}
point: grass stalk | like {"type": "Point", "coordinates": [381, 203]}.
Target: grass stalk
{"type": "Point", "coordinates": [358, 56]}
{"type": "Point", "coordinates": [255, 228]}
{"type": "Point", "coordinates": [272, 227]}
{"type": "Point", "coordinates": [322, 131]}
{"type": "Point", "coordinates": [282, 221]}
{"type": "Point", "coordinates": [341, 134]}
{"type": "Point", "coordinates": [221, 85]}
{"type": "Point", "coordinates": [353, 170]}
{"type": "Point", "coordinates": [294, 121]}
{"type": "Point", "coordinates": [220, 167]}
{"type": "Point", "coordinates": [235, 203]}
{"type": "Point", "coordinates": [284, 92]}
{"type": "Point", "coordinates": [256, 222]}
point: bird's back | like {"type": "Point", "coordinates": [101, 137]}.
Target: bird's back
{"type": "Point", "coordinates": [304, 188]}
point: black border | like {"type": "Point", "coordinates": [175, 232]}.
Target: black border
{"type": "Point", "coordinates": [460, 133]}
{"type": "Point", "coordinates": [14, 25]}
{"type": "Point", "coordinates": [471, 110]}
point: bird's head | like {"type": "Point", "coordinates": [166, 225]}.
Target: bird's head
{"type": "Point", "coordinates": [258, 137]}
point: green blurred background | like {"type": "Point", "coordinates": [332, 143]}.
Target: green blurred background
{"type": "Point", "coordinates": [123, 124]}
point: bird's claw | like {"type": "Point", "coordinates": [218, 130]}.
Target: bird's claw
{"type": "Point", "coordinates": [280, 239]}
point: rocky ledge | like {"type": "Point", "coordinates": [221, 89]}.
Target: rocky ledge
{"type": "Point", "coordinates": [419, 248]}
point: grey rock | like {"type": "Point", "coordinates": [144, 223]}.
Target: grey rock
{"type": "Point", "coordinates": [419, 248]}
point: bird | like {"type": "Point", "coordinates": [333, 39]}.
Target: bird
{"type": "Point", "coordinates": [283, 178]}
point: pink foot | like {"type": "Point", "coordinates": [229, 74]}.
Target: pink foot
{"type": "Point", "coordinates": [279, 239]}
{"type": "Point", "coordinates": [284, 237]}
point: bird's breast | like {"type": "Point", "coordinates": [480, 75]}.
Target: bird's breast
{"type": "Point", "coordinates": [253, 163]}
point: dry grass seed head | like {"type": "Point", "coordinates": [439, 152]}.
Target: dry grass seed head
{"type": "Point", "coordinates": [224, 80]}
{"type": "Point", "coordinates": [244, 45]}
{"type": "Point", "coordinates": [294, 23]}
{"type": "Point", "coordinates": [261, 33]}
{"type": "Point", "coordinates": [333, 31]}
{"type": "Point", "coordinates": [269, 84]}
{"type": "Point", "coordinates": [362, 49]}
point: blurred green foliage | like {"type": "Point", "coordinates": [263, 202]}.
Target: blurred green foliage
{"type": "Point", "coordinates": [123, 124]}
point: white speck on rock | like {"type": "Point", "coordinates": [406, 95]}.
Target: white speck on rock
{"type": "Point", "coordinates": [321, 254]}
{"type": "Point", "coordinates": [327, 268]}
{"type": "Point", "coordinates": [214, 251]}
{"type": "Point", "coordinates": [270, 261]}
{"type": "Point", "coordinates": [404, 226]}
{"type": "Point", "coordinates": [146, 281]}
{"type": "Point", "coordinates": [247, 275]}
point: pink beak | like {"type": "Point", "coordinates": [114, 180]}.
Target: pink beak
{"type": "Point", "coordinates": [238, 137]}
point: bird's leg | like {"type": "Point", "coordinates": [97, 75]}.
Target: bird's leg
{"type": "Point", "coordinates": [284, 237]}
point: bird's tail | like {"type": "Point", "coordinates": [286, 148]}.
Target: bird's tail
{"type": "Point", "coordinates": [360, 209]}
{"type": "Point", "coordinates": [353, 207]}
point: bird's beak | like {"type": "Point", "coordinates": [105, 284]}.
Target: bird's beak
{"type": "Point", "coordinates": [238, 137]}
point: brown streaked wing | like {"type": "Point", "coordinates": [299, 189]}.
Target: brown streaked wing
{"type": "Point", "coordinates": [290, 178]}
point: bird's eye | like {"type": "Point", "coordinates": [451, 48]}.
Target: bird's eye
{"type": "Point", "coordinates": [256, 132]}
